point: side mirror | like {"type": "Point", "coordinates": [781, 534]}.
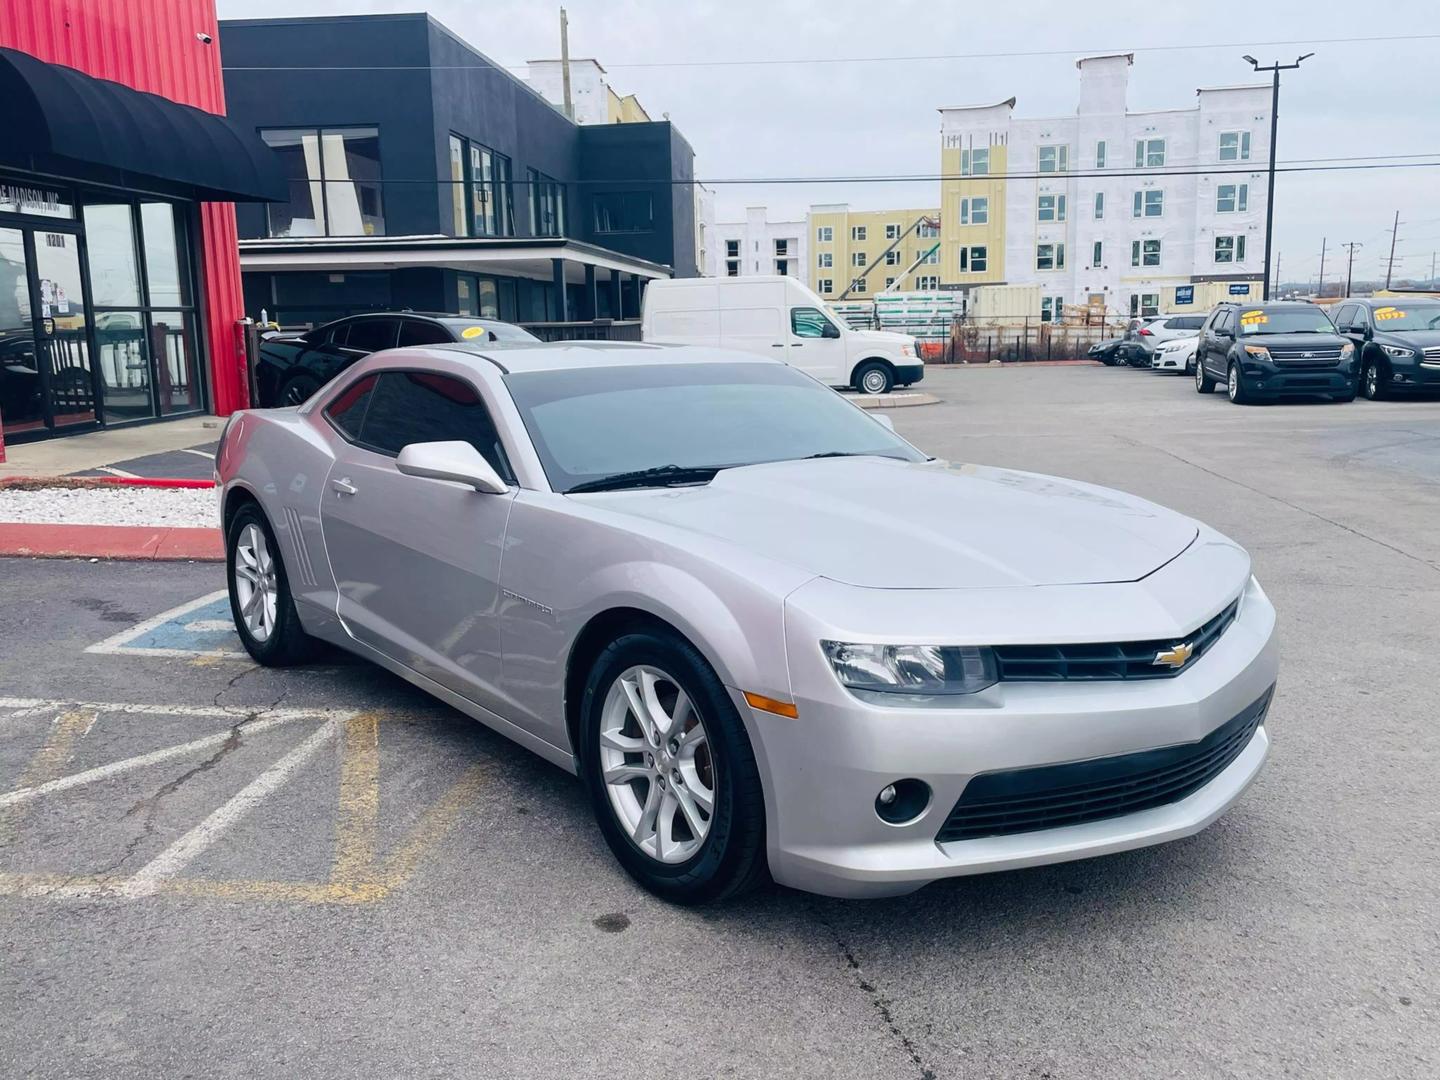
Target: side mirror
{"type": "Point", "coordinates": [457, 461]}
{"type": "Point", "coordinates": [830, 331]}
{"type": "Point", "coordinates": [884, 421]}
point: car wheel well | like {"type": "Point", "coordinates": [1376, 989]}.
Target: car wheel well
{"type": "Point", "coordinates": [234, 500]}
{"type": "Point", "coordinates": [594, 637]}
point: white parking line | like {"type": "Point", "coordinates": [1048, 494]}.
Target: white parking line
{"type": "Point", "coordinates": [180, 854]}
{"type": "Point", "coordinates": [206, 454]}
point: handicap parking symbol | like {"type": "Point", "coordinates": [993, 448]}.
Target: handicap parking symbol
{"type": "Point", "coordinates": [201, 627]}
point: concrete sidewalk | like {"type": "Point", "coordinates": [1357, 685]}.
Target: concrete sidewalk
{"type": "Point", "coordinates": [97, 451]}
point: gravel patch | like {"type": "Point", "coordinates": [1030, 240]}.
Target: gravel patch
{"type": "Point", "coordinates": [175, 507]}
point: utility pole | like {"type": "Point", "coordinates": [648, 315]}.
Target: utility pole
{"type": "Point", "coordinates": [565, 63]}
{"type": "Point", "coordinates": [1320, 293]}
{"type": "Point", "coordinates": [1432, 269]}
{"type": "Point", "coordinates": [1390, 266]}
{"type": "Point", "coordinates": [1277, 271]}
{"type": "Point", "coordinates": [1350, 263]}
{"type": "Point", "coordinates": [1275, 70]}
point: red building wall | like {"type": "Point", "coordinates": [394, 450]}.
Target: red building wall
{"type": "Point", "coordinates": [152, 45]}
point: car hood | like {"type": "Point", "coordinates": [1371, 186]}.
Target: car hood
{"type": "Point", "coordinates": [883, 337]}
{"type": "Point", "coordinates": [1410, 339]}
{"type": "Point", "coordinates": [882, 523]}
{"type": "Point", "coordinates": [1298, 341]}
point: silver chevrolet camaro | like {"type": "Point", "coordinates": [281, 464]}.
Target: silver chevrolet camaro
{"type": "Point", "coordinates": [770, 635]}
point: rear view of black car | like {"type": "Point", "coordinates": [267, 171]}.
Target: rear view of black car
{"type": "Point", "coordinates": [1271, 350]}
{"type": "Point", "coordinates": [1398, 343]}
{"type": "Point", "coordinates": [294, 366]}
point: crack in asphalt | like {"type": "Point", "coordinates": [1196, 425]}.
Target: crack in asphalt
{"type": "Point", "coordinates": [878, 1001]}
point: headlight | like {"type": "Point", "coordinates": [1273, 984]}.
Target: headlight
{"type": "Point", "coordinates": [1259, 352]}
{"type": "Point", "coordinates": [1395, 350]}
{"type": "Point", "coordinates": [1347, 350]}
{"type": "Point", "coordinates": [907, 350]}
{"type": "Point", "coordinates": [912, 669]}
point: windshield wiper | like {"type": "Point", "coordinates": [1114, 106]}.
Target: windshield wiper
{"type": "Point", "coordinates": [659, 476]}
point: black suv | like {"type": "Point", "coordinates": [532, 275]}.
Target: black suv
{"type": "Point", "coordinates": [1398, 342]}
{"type": "Point", "coordinates": [294, 366]}
{"type": "Point", "coordinates": [1274, 349]}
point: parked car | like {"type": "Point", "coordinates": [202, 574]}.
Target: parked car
{"type": "Point", "coordinates": [1177, 354]}
{"type": "Point", "coordinates": [768, 633]}
{"type": "Point", "coordinates": [1270, 350]}
{"type": "Point", "coordinates": [1398, 343]}
{"type": "Point", "coordinates": [779, 318]}
{"type": "Point", "coordinates": [1152, 331]}
{"type": "Point", "coordinates": [293, 366]}
{"type": "Point", "coordinates": [1107, 352]}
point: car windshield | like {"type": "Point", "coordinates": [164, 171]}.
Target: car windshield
{"type": "Point", "coordinates": [470, 330]}
{"type": "Point", "coordinates": [1296, 320]}
{"type": "Point", "coordinates": [590, 424]}
{"type": "Point", "coordinates": [1405, 316]}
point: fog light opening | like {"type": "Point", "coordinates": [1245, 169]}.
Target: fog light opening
{"type": "Point", "coordinates": [902, 802]}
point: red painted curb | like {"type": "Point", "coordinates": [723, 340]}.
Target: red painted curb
{"type": "Point", "coordinates": [106, 481]}
{"type": "Point", "coordinates": [129, 542]}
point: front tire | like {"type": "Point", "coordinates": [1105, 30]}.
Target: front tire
{"type": "Point", "coordinates": [873, 377]}
{"type": "Point", "coordinates": [1235, 387]}
{"type": "Point", "coordinates": [671, 773]}
{"type": "Point", "coordinates": [260, 599]}
{"type": "Point", "coordinates": [1204, 384]}
{"type": "Point", "coordinates": [1373, 382]}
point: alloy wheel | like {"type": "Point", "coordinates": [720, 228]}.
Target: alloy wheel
{"type": "Point", "coordinates": [255, 585]}
{"type": "Point", "coordinates": [1372, 381]}
{"type": "Point", "coordinates": [657, 766]}
{"type": "Point", "coordinates": [1232, 383]}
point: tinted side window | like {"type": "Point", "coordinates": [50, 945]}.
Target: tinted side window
{"type": "Point", "coordinates": [372, 335]}
{"type": "Point", "coordinates": [416, 332]}
{"type": "Point", "coordinates": [347, 412]}
{"type": "Point", "coordinates": [1226, 325]}
{"type": "Point", "coordinates": [1187, 322]}
{"type": "Point", "coordinates": [1345, 316]}
{"type": "Point", "coordinates": [422, 406]}
{"type": "Point", "coordinates": [807, 322]}
{"type": "Point", "coordinates": [1362, 316]}
{"type": "Point", "coordinates": [338, 334]}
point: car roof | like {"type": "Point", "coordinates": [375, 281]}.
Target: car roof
{"type": "Point", "coordinates": [1390, 301]}
{"type": "Point", "coordinates": [566, 355]}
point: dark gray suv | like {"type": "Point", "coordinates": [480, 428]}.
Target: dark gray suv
{"type": "Point", "coordinates": [1397, 340]}
{"type": "Point", "coordinates": [1274, 349]}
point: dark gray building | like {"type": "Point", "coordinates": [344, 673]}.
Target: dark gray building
{"type": "Point", "coordinates": [423, 175]}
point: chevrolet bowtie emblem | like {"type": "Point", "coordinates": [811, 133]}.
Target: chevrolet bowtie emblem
{"type": "Point", "coordinates": [1174, 657]}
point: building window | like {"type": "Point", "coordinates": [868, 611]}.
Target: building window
{"type": "Point", "coordinates": [782, 267]}
{"type": "Point", "coordinates": [1149, 153]}
{"type": "Point", "coordinates": [827, 285]}
{"type": "Point", "coordinates": [782, 247]}
{"type": "Point", "coordinates": [488, 182]}
{"type": "Point", "coordinates": [973, 260]}
{"type": "Point", "coordinates": [334, 181]}
{"type": "Point", "coordinates": [974, 211]}
{"type": "Point", "coordinates": [975, 162]}
{"type": "Point", "coordinates": [1150, 303]}
{"type": "Point", "coordinates": [827, 260]}
{"type": "Point", "coordinates": [892, 232]}
{"type": "Point", "coordinates": [857, 258]}
{"type": "Point", "coordinates": [1097, 253]}
{"type": "Point", "coordinates": [824, 234]}
{"type": "Point", "coordinates": [732, 267]}
{"type": "Point", "coordinates": [858, 285]}
{"type": "Point", "coordinates": [1230, 198]}
{"type": "Point", "coordinates": [1100, 154]}
{"type": "Point", "coordinates": [927, 282]}
{"type": "Point", "coordinates": [929, 257]}
{"type": "Point", "coordinates": [1054, 159]}
{"type": "Point", "coordinates": [1049, 256]}
{"type": "Point", "coordinates": [1229, 249]}
{"type": "Point", "coordinates": [1234, 146]}
{"type": "Point", "coordinates": [623, 211]}
{"type": "Point", "coordinates": [857, 232]}
{"type": "Point", "coordinates": [928, 231]}
{"type": "Point", "coordinates": [1145, 253]}
{"type": "Point", "coordinates": [892, 258]}
{"type": "Point", "coordinates": [889, 281]}
{"type": "Point", "coordinates": [1051, 208]}
{"type": "Point", "coordinates": [547, 205]}
{"type": "Point", "coordinates": [1052, 308]}
{"type": "Point", "coordinates": [1099, 205]}
{"type": "Point", "coordinates": [732, 249]}
{"type": "Point", "coordinates": [1149, 203]}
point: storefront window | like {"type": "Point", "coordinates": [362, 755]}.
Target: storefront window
{"type": "Point", "coordinates": [489, 302]}
{"type": "Point", "coordinates": [162, 253]}
{"type": "Point", "coordinates": [334, 180]}
{"type": "Point", "coordinates": [22, 406]}
{"type": "Point", "coordinates": [35, 201]}
{"type": "Point", "coordinates": [110, 242]}
{"type": "Point", "coordinates": [124, 365]}
{"type": "Point", "coordinates": [177, 376]}
{"type": "Point", "coordinates": [64, 336]}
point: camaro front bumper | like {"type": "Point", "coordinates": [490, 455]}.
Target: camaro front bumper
{"type": "Point", "coordinates": [825, 768]}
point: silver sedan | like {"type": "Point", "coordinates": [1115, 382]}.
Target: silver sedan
{"type": "Point", "coordinates": [771, 636]}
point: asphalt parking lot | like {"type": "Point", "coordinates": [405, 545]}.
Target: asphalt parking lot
{"type": "Point", "coordinates": [212, 869]}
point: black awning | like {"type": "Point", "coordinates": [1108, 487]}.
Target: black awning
{"type": "Point", "coordinates": [56, 112]}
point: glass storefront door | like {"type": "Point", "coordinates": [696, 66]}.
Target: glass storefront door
{"type": "Point", "coordinates": [45, 374]}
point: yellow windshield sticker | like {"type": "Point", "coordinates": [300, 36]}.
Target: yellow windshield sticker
{"type": "Point", "coordinates": [1253, 318]}
{"type": "Point", "coordinates": [1381, 314]}
{"type": "Point", "coordinates": [472, 332]}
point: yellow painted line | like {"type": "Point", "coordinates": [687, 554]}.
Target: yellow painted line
{"type": "Point", "coordinates": [432, 827]}
{"type": "Point", "coordinates": [50, 760]}
{"type": "Point", "coordinates": [357, 825]}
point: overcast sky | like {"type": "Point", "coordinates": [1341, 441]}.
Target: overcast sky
{"type": "Point", "coordinates": [828, 119]}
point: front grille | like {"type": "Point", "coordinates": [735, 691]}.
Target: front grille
{"type": "Point", "coordinates": [1432, 354]}
{"type": "Point", "coordinates": [1052, 796]}
{"type": "Point", "coordinates": [1106, 660]}
{"type": "Point", "coordinates": [1294, 357]}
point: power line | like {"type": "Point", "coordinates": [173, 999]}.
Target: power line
{"type": "Point", "coordinates": [930, 58]}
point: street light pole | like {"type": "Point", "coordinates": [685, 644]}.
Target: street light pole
{"type": "Point", "coordinates": [1275, 70]}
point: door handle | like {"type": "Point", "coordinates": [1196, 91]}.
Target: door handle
{"type": "Point", "coordinates": [778, 345]}
{"type": "Point", "coordinates": [343, 486]}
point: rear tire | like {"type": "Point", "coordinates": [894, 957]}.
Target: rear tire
{"type": "Point", "coordinates": [874, 377]}
{"type": "Point", "coordinates": [1203, 383]}
{"type": "Point", "coordinates": [660, 777]}
{"type": "Point", "coordinates": [260, 599]}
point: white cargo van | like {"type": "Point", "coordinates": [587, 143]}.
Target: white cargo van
{"type": "Point", "coordinates": [778, 317]}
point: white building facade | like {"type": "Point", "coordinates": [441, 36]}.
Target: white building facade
{"type": "Point", "coordinates": [1129, 211]}
{"type": "Point", "coordinates": [757, 245]}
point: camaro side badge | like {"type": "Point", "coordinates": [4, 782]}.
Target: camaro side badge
{"type": "Point", "coordinates": [1175, 657]}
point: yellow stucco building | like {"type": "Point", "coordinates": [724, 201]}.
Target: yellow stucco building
{"type": "Point", "coordinates": [846, 243]}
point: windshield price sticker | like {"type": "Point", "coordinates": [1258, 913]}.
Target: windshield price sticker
{"type": "Point", "coordinates": [1381, 314]}
{"type": "Point", "coordinates": [472, 331]}
{"type": "Point", "coordinates": [1253, 318]}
